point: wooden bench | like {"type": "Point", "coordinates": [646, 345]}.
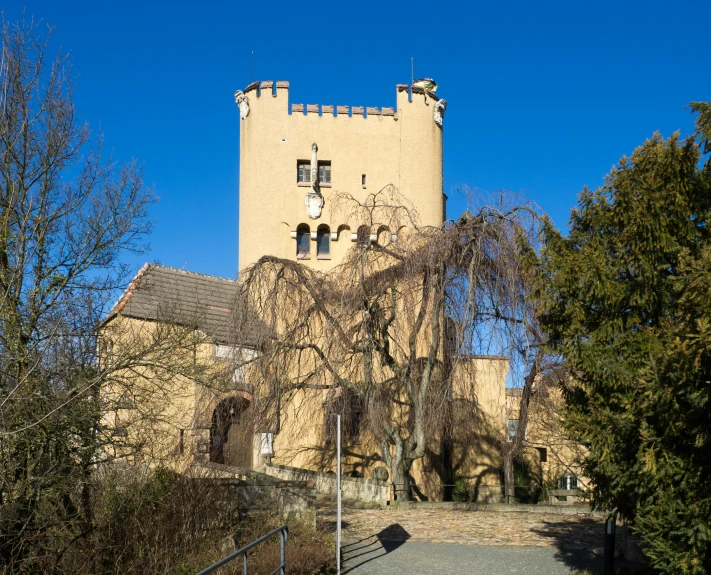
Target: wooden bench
{"type": "Point", "coordinates": [571, 496]}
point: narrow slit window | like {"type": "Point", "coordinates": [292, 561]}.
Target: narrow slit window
{"type": "Point", "coordinates": [323, 243]}
{"type": "Point", "coordinates": [362, 180]}
{"type": "Point", "coordinates": [363, 236]}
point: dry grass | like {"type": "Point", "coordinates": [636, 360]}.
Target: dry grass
{"type": "Point", "coordinates": [165, 524]}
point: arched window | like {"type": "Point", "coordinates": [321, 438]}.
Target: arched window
{"type": "Point", "coordinates": [323, 243]}
{"type": "Point", "coordinates": [303, 247]}
{"type": "Point", "coordinates": [363, 236]}
{"type": "Point", "coordinates": [384, 235]}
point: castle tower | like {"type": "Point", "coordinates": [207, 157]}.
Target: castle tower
{"type": "Point", "coordinates": [357, 152]}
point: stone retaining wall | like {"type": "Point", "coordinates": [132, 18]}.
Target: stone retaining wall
{"type": "Point", "coordinates": [370, 490]}
{"type": "Point", "coordinates": [292, 499]}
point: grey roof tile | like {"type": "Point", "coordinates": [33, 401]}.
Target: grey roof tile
{"type": "Point", "coordinates": [210, 303]}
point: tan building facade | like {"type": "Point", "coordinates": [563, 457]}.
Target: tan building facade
{"type": "Point", "coordinates": [303, 168]}
{"type": "Point", "coordinates": [291, 206]}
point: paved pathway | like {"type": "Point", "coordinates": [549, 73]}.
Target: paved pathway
{"type": "Point", "coordinates": [423, 541]}
{"type": "Point", "coordinates": [381, 558]}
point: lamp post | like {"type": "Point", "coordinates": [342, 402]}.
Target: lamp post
{"type": "Point", "coordinates": [338, 493]}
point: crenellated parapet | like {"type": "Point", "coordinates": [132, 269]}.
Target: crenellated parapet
{"type": "Point", "coordinates": [405, 93]}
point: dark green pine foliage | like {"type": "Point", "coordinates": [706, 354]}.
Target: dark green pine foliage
{"type": "Point", "coordinates": [629, 307]}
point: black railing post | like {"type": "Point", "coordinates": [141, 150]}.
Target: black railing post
{"type": "Point", "coordinates": [609, 556]}
{"type": "Point", "coordinates": [282, 549]}
{"type": "Point", "coordinates": [283, 532]}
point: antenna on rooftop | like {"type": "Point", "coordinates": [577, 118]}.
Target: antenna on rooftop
{"type": "Point", "coordinates": [412, 66]}
{"type": "Point", "coordinates": [252, 80]}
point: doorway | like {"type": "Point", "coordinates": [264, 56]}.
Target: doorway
{"type": "Point", "coordinates": [232, 433]}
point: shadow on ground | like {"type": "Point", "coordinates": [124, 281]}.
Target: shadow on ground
{"type": "Point", "coordinates": [371, 548]}
{"type": "Point", "coordinates": [575, 542]}
{"type": "Point", "coordinates": [580, 545]}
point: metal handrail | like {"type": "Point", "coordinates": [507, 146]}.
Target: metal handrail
{"type": "Point", "coordinates": [284, 534]}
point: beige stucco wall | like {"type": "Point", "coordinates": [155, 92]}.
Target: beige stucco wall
{"type": "Point", "coordinates": [166, 403]}
{"type": "Point", "coordinates": [480, 416]}
{"type": "Point", "coordinates": [148, 394]}
{"type": "Point", "coordinates": [546, 431]}
{"type": "Point", "coordinates": [403, 149]}
{"type": "Point", "coordinates": [479, 422]}
{"type": "Point", "coordinates": [172, 381]}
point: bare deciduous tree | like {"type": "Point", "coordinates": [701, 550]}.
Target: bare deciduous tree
{"type": "Point", "coordinates": [67, 214]}
{"type": "Point", "coordinates": [396, 324]}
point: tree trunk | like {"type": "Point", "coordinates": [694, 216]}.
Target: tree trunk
{"type": "Point", "coordinates": [509, 495]}
{"type": "Point", "coordinates": [401, 478]}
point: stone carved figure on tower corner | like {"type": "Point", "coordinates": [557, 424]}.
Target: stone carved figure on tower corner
{"type": "Point", "coordinates": [439, 109]}
{"type": "Point", "coordinates": [243, 102]}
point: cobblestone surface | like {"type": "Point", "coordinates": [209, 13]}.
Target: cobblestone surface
{"type": "Point", "coordinates": [475, 527]}
{"type": "Point", "coordinates": [478, 527]}
{"type": "Point", "coordinates": [566, 541]}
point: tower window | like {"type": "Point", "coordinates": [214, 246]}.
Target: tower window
{"type": "Point", "coordinates": [362, 180]}
{"type": "Point", "coordinates": [324, 172]}
{"type": "Point", "coordinates": [303, 247]}
{"type": "Point", "coordinates": [303, 172]}
{"type": "Point", "coordinates": [323, 243]}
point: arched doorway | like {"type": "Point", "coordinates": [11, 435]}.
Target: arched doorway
{"type": "Point", "coordinates": [232, 433]}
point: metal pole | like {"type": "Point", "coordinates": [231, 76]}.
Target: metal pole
{"type": "Point", "coordinates": [338, 494]}
{"type": "Point", "coordinates": [245, 570]}
{"type": "Point", "coordinates": [609, 556]}
{"type": "Point", "coordinates": [412, 69]}
{"type": "Point", "coordinates": [282, 540]}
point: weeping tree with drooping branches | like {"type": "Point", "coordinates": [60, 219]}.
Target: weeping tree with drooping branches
{"type": "Point", "coordinates": [395, 324]}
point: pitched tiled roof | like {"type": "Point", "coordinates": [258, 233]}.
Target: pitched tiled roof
{"type": "Point", "coordinates": [212, 304]}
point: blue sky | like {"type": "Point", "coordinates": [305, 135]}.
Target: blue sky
{"type": "Point", "coordinates": [543, 97]}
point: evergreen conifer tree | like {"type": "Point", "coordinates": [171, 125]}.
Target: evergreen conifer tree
{"type": "Point", "coordinates": [629, 307]}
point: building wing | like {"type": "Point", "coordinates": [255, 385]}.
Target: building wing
{"type": "Point", "coordinates": [212, 304]}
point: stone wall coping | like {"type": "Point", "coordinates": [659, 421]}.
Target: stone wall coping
{"type": "Point", "coordinates": [344, 478]}
{"type": "Point", "coordinates": [243, 476]}
{"type": "Point", "coordinates": [252, 86]}
{"type": "Point", "coordinates": [498, 507]}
